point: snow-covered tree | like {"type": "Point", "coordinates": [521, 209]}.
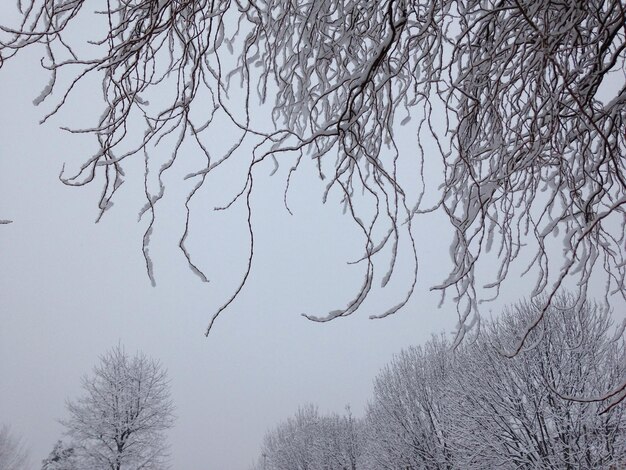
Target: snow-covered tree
{"type": "Point", "coordinates": [13, 455]}
{"type": "Point", "coordinates": [472, 407]}
{"type": "Point", "coordinates": [119, 423]}
{"type": "Point", "coordinates": [310, 441]}
{"type": "Point", "coordinates": [407, 421]}
{"type": "Point", "coordinates": [533, 410]}
{"type": "Point", "coordinates": [521, 103]}
{"type": "Point", "coordinates": [341, 444]}
{"type": "Point", "coordinates": [62, 457]}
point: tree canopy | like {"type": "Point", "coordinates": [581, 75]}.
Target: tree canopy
{"type": "Point", "coordinates": [119, 423]}
{"type": "Point", "coordinates": [522, 103]}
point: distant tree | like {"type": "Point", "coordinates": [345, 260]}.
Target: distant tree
{"type": "Point", "coordinates": [407, 422]}
{"type": "Point", "coordinates": [522, 102]}
{"type": "Point", "coordinates": [13, 455]}
{"type": "Point", "coordinates": [62, 457]}
{"type": "Point", "coordinates": [120, 421]}
{"type": "Point", "coordinates": [342, 445]}
{"type": "Point", "coordinates": [310, 441]}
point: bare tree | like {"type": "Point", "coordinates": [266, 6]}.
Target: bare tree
{"type": "Point", "coordinates": [120, 421]}
{"type": "Point", "coordinates": [13, 455]}
{"type": "Point", "coordinates": [310, 441]}
{"type": "Point", "coordinates": [407, 421]}
{"type": "Point", "coordinates": [532, 411]}
{"type": "Point", "coordinates": [472, 407]}
{"type": "Point", "coordinates": [523, 101]}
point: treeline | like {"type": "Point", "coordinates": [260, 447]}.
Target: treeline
{"type": "Point", "coordinates": [472, 407]}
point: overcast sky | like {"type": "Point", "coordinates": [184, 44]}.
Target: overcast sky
{"type": "Point", "coordinates": [71, 289]}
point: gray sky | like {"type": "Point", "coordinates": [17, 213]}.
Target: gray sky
{"type": "Point", "coordinates": [70, 289]}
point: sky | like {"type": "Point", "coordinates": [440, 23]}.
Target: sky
{"type": "Point", "coordinates": [71, 289]}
